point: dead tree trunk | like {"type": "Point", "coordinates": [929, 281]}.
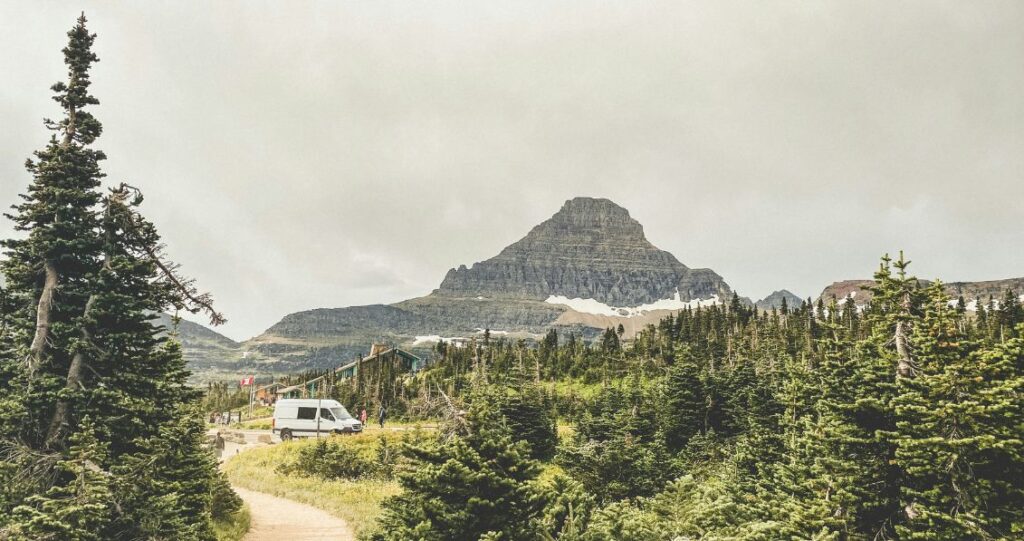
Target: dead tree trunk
{"type": "Point", "coordinates": [905, 364]}
{"type": "Point", "coordinates": [74, 379]}
{"type": "Point", "coordinates": [44, 318]}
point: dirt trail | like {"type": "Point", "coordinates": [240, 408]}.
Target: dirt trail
{"type": "Point", "coordinates": [276, 518]}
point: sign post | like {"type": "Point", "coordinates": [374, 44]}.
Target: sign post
{"type": "Point", "coordinates": [251, 382]}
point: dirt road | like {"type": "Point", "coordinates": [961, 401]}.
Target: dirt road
{"type": "Point", "coordinates": [276, 518]}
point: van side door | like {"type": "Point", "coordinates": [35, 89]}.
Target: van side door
{"type": "Point", "coordinates": [305, 421]}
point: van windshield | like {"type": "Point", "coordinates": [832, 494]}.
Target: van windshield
{"type": "Point", "coordinates": [340, 413]}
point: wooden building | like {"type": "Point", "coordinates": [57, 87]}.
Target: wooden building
{"type": "Point", "coordinates": [267, 394]}
{"type": "Point", "coordinates": [381, 377]}
{"type": "Point", "coordinates": [381, 357]}
{"type": "Point", "coordinates": [314, 388]}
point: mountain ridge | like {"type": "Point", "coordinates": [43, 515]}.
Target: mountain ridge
{"type": "Point", "coordinates": [586, 268]}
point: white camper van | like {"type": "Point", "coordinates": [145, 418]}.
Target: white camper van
{"type": "Point", "coordinates": [296, 418]}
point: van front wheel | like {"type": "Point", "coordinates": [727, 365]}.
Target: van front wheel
{"type": "Point", "coordinates": [286, 435]}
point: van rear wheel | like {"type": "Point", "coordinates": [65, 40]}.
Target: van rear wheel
{"type": "Point", "coordinates": [286, 435]}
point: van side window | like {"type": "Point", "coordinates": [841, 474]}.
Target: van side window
{"type": "Point", "coordinates": [307, 413]}
{"type": "Point", "coordinates": [326, 414]}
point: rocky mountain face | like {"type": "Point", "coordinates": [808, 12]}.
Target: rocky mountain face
{"type": "Point", "coordinates": [590, 249]}
{"type": "Point", "coordinates": [774, 301]}
{"type": "Point", "coordinates": [587, 267]}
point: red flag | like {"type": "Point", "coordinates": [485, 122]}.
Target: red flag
{"type": "Point", "coordinates": [246, 381]}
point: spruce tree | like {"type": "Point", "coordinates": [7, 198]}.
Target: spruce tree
{"type": "Point", "coordinates": [49, 272]}
{"type": "Point", "coordinates": [528, 414]}
{"type": "Point", "coordinates": [685, 403]}
{"type": "Point", "coordinates": [82, 290]}
{"type": "Point", "coordinates": [77, 509]}
{"type": "Point", "coordinates": [859, 385]}
{"type": "Point", "coordinates": [174, 497]}
{"type": "Point", "coordinates": [477, 486]}
{"type": "Point", "coordinates": [958, 433]}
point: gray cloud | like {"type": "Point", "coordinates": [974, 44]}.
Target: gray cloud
{"type": "Point", "coordinates": [298, 155]}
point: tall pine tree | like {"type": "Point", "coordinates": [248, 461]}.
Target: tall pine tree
{"type": "Point", "coordinates": [83, 287]}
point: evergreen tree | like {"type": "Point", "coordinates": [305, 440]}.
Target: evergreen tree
{"type": "Point", "coordinates": [528, 415]}
{"type": "Point", "coordinates": [78, 507]}
{"type": "Point", "coordinates": [477, 486]}
{"type": "Point", "coordinates": [958, 442]}
{"type": "Point", "coordinates": [174, 497]}
{"type": "Point", "coordinates": [567, 512]}
{"type": "Point", "coordinates": [685, 403]}
{"type": "Point", "coordinates": [83, 288]}
{"type": "Point", "coordinates": [618, 450]}
{"type": "Point", "coordinates": [48, 273]}
{"type": "Point", "coordinates": [859, 385]}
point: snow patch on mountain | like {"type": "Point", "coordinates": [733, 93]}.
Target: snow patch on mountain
{"type": "Point", "coordinates": [593, 306]}
{"type": "Point", "coordinates": [433, 339]}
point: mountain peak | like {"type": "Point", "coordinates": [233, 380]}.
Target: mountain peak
{"type": "Point", "coordinates": [590, 249]}
{"type": "Point", "coordinates": [593, 205]}
{"type": "Point", "coordinates": [583, 218]}
{"type": "Point", "coordinates": [775, 300]}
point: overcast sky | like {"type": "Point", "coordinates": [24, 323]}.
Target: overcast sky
{"type": "Point", "coordinates": [322, 154]}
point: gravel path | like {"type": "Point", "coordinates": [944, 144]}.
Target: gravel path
{"type": "Point", "coordinates": [276, 518]}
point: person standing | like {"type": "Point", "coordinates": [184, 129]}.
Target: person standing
{"type": "Point", "coordinates": [219, 444]}
{"type": "Point", "coordinates": [382, 415]}
{"type": "Point", "coordinates": [362, 415]}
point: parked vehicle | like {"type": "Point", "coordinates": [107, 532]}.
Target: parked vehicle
{"type": "Point", "coordinates": [307, 417]}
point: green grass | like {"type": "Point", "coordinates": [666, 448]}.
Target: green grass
{"type": "Point", "coordinates": [357, 502]}
{"type": "Point", "coordinates": [569, 387]}
{"type": "Point", "coordinates": [234, 528]}
{"type": "Point", "coordinates": [254, 424]}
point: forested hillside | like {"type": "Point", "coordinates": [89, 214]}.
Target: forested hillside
{"type": "Point", "coordinates": [901, 420]}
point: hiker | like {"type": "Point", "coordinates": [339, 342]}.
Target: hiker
{"type": "Point", "coordinates": [362, 415]}
{"type": "Point", "coordinates": [382, 415]}
{"type": "Point", "coordinates": [219, 444]}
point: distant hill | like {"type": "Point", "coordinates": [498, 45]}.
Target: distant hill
{"type": "Point", "coordinates": [970, 291]}
{"type": "Point", "coordinates": [205, 349]}
{"type": "Point", "coordinates": [774, 301]}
